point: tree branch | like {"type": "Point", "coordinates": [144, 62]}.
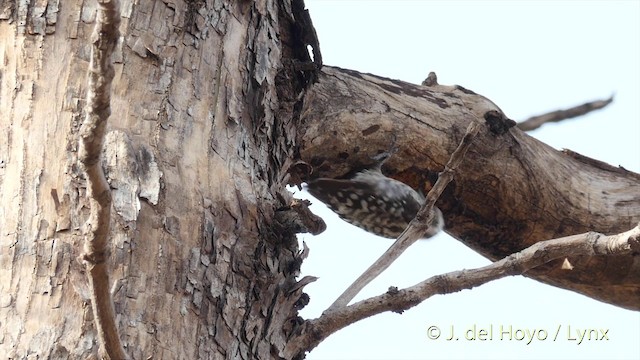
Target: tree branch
{"type": "Point", "coordinates": [417, 227]}
{"type": "Point", "coordinates": [587, 244]}
{"type": "Point", "coordinates": [101, 73]}
{"type": "Point", "coordinates": [514, 190]}
{"type": "Point", "coordinates": [535, 122]}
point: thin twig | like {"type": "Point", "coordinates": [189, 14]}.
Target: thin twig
{"type": "Point", "coordinates": [101, 72]}
{"type": "Point", "coordinates": [587, 244]}
{"type": "Point", "coordinates": [416, 228]}
{"type": "Point", "coordinates": [535, 122]}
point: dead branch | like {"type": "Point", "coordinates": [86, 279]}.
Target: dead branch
{"type": "Point", "coordinates": [416, 228]}
{"type": "Point", "coordinates": [514, 190]}
{"type": "Point", "coordinates": [535, 122]}
{"type": "Point", "coordinates": [587, 244]}
{"type": "Point", "coordinates": [101, 72]}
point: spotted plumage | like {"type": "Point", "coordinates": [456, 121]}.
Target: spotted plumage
{"type": "Point", "coordinates": [373, 202]}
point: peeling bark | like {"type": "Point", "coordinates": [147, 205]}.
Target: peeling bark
{"type": "Point", "coordinates": [205, 132]}
{"type": "Point", "coordinates": [204, 103]}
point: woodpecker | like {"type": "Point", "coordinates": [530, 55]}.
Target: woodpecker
{"type": "Point", "coordinates": [374, 202]}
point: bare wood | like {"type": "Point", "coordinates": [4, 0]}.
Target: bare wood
{"type": "Point", "coordinates": [417, 227]}
{"type": "Point", "coordinates": [535, 122]}
{"type": "Point", "coordinates": [587, 244]}
{"type": "Point", "coordinates": [92, 131]}
{"type": "Point", "coordinates": [514, 192]}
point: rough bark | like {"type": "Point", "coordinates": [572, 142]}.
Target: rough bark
{"type": "Point", "coordinates": [205, 102]}
{"type": "Point", "coordinates": [201, 129]}
{"type": "Point", "coordinates": [511, 190]}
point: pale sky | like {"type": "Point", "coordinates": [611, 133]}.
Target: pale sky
{"type": "Point", "coordinates": [528, 58]}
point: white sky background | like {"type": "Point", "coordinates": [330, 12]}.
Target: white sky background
{"type": "Point", "coordinates": [529, 58]}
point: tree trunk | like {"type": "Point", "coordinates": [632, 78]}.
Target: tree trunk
{"type": "Point", "coordinates": [206, 104]}
{"type": "Point", "coordinates": [201, 128]}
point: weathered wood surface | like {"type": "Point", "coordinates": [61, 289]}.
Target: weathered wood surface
{"type": "Point", "coordinates": [511, 190]}
{"type": "Point", "coordinates": [194, 151]}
